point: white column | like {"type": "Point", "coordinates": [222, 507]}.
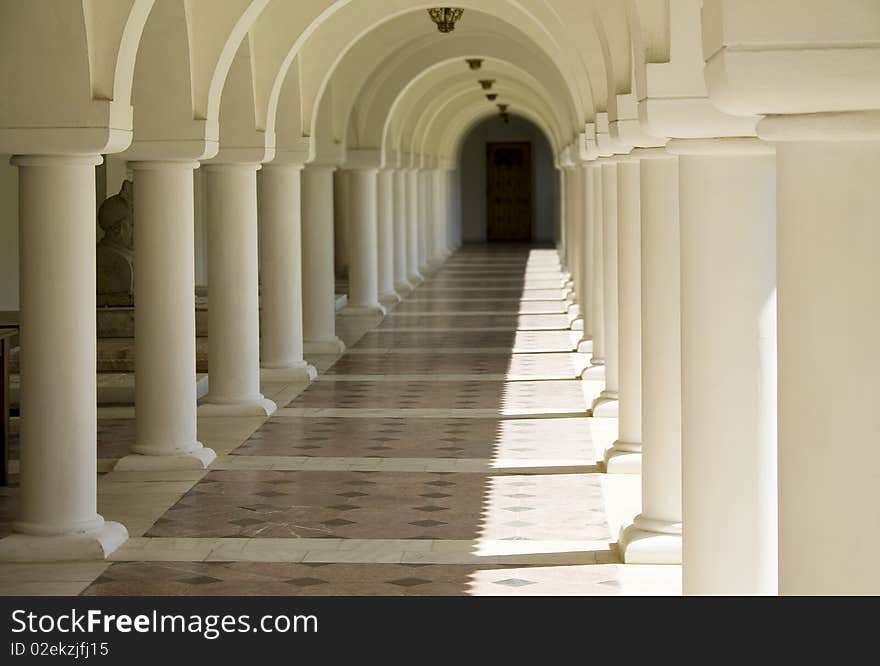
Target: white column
{"type": "Point", "coordinates": [165, 328]}
{"type": "Point", "coordinates": [625, 457]}
{"type": "Point", "coordinates": [584, 239]}
{"type": "Point", "coordinates": [363, 272]}
{"type": "Point", "coordinates": [597, 277]}
{"type": "Point", "coordinates": [575, 216]}
{"type": "Point", "coordinates": [412, 200]}
{"type": "Point", "coordinates": [829, 324]}
{"type": "Point", "coordinates": [449, 211]}
{"type": "Point", "coordinates": [424, 221]}
{"type": "Point", "coordinates": [655, 535]}
{"type": "Point", "coordinates": [233, 294]}
{"type": "Point", "coordinates": [606, 405]}
{"type": "Point", "coordinates": [401, 274]}
{"type": "Point", "coordinates": [58, 518]}
{"type": "Point", "coordinates": [441, 251]}
{"type": "Point", "coordinates": [319, 284]}
{"type": "Point", "coordinates": [281, 301]}
{"type": "Point", "coordinates": [385, 241]}
{"type": "Point", "coordinates": [564, 247]}
{"type": "Point", "coordinates": [341, 222]}
{"type": "Point", "coordinates": [728, 351]}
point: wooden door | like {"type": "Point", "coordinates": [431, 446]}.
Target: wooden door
{"type": "Point", "coordinates": [509, 191]}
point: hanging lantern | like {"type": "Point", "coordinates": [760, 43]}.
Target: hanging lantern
{"type": "Point", "coordinates": [487, 84]}
{"type": "Point", "coordinates": [474, 63]}
{"type": "Point", "coordinates": [492, 97]}
{"type": "Point", "coordinates": [445, 17]}
{"type": "Point", "coordinates": [503, 108]}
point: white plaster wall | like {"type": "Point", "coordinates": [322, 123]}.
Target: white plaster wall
{"type": "Point", "coordinates": [8, 235]}
{"type": "Point", "coordinates": [473, 178]}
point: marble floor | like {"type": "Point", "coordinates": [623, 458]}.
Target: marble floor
{"type": "Point", "coordinates": [449, 451]}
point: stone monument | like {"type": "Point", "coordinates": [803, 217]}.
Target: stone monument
{"type": "Point", "coordinates": [115, 251]}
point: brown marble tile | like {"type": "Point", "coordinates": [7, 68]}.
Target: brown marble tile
{"type": "Point", "coordinates": [281, 579]}
{"type": "Point", "coordinates": [513, 439]}
{"type": "Point", "coordinates": [512, 306]}
{"type": "Point", "coordinates": [522, 322]}
{"type": "Point", "coordinates": [559, 395]}
{"type": "Point", "coordinates": [562, 364]}
{"type": "Point", "coordinates": [521, 340]}
{"type": "Point", "coordinates": [388, 505]}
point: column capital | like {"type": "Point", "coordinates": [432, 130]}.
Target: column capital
{"type": "Point", "coordinates": [363, 159]}
{"type": "Point", "coordinates": [835, 126]}
{"type": "Point", "coordinates": [55, 160]}
{"type": "Point", "coordinates": [720, 146]}
{"type": "Point", "coordinates": [320, 166]}
{"type": "Point", "coordinates": [673, 100]}
{"type": "Point", "coordinates": [283, 166]}
{"type": "Point", "coordinates": [791, 57]}
{"type": "Point", "coordinates": [232, 166]}
{"type": "Point", "coordinates": [154, 165]}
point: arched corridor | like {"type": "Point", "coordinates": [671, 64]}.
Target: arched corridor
{"type": "Point", "coordinates": [366, 297]}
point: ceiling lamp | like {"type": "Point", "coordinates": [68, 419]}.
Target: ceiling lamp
{"type": "Point", "coordinates": [474, 63]}
{"type": "Point", "coordinates": [487, 84]}
{"type": "Point", "coordinates": [445, 17]}
{"type": "Point", "coordinates": [503, 107]}
{"type": "Point", "coordinates": [491, 97]}
{"type": "Point", "coordinates": [504, 115]}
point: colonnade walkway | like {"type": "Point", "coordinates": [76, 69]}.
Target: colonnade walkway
{"type": "Point", "coordinates": [447, 452]}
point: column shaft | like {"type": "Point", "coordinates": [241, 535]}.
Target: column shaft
{"type": "Point", "coordinates": [58, 518]}
{"type": "Point", "coordinates": [233, 294]}
{"type": "Point", "coordinates": [625, 457]}
{"type": "Point", "coordinates": [597, 275]}
{"type": "Point", "coordinates": [728, 351]}
{"type": "Point", "coordinates": [281, 306]}
{"type": "Point", "coordinates": [412, 200]}
{"type": "Point", "coordinates": [165, 327]}
{"type": "Point", "coordinates": [606, 404]}
{"type": "Point", "coordinates": [829, 324]}
{"type": "Point", "coordinates": [575, 258]}
{"type": "Point", "coordinates": [401, 274]}
{"type": "Point", "coordinates": [385, 237]}
{"type": "Point", "coordinates": [319, 286]}
{"type": "Point", "coordinates": [363, 272]}
{"type": "Point", "coordinates": [440, 246]}
{"type": "Point", "coordinates": [655, 535]}
{"type": "Point", "coordinates": [584, 239]}
{"type": "Point", "coordinates": [424, 222]}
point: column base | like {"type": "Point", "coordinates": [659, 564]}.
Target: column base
{"type": "Point", "coordinates": [299, 373]}
{"type": "Point", "coordinates": [577, 324]}
{"type": "Point", "coordinates": [585, 346]}
{"type": "Point", "coordinates": [389, 299]}
{"type": "Point", "coordinates": [569, 298]}
{"type": "Point", "coordinates": [594, 373]}
{"type": "Point", "coordinates": [623, 458]}
{"type": "Point", "coordinates": [416, 279]}
{"type": "Point", "coordinates": [649, 541]}
{"type": "Point", "coordinates": [221, 407]}
{"type": "Point", "coordinates": [331, 346]}
{"type": "Point", "coordinates": [574, 311]}
{"type": "Point", "coordinates": [95, 545]}
{"type": "Point", "coordinates": [606, 405]}
{"type": "Point", "coordinates": [363, 311]}
{"type": "Point", "coordinates": [403, 288]}
{"type": "Point", "coordinates": [200, 458]}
